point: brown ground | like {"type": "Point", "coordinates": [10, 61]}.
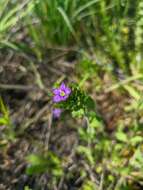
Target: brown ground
{"type": "Point", "coordinates": [24, 88]}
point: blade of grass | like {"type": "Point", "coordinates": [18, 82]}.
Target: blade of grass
{"type": "Point", "coordinates": [67, 21]}
{"type": "Point", "coordinates": [84, 7]}
{"type": "Point", "coordinates": [123, 82]}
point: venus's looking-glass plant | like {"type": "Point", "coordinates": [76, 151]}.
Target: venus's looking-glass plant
{"type": "Point", "coordinates": [71, 98]}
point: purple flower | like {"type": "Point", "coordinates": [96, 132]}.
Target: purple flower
{"type": "Point", "coordinates": [61, 93]}
{"type": "Point", "coordinates": [57, 112]}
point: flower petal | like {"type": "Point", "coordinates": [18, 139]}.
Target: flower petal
{"type": "Point", "coordinates": [57, 112]}
{"type": "Point", "coordinates": [62, 86]}
{"type": "Point", "coordinates": [56, 98]}
{"type": "Point", "coordinates": [56, 91]}
{"type": "Point", "coordinates": [63, 98]}
{"type": "Point", "coordinates": [67, 90]}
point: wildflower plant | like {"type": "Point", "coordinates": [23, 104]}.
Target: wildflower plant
{"type": "Point", "coordinates": [81, 105]}
{"type": "Point", "coordinates": [71, 98]}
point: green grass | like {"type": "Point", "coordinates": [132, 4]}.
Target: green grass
{"type": "Point", "coordinates": [113, 27]}
{"type": "Point", "coordinates": [105, 25]}
{"type": "Point", "coordinates": [11, 14]}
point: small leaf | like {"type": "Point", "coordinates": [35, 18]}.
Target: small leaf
{"type": "Point", "coordinates": [89, 185]}
{"type": "Point", "coordinates": [40, 164]}
{"type": "Point", "coordinates": [36, 159]}
{"type": "Point", "coordinates": [27, 188]}
{"type": "Point", "coordinates": [87, 153]}
{"type": "Point", "coordinates": [3, 121]}
{"type": "Point", "coordinates": [36, 169]}
{"type": "Point", "coordinates": [134, 93]}
{"type": "Point", "coordinates": [121, 136]}
{"type": "Point", "coordinates": [79, 113]}
{"type": "Point", "coordinates": [137, 139]}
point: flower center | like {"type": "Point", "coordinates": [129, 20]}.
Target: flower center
{"type": "Point", "coordinates": [62, 93]}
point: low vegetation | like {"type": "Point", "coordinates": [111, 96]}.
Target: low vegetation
{"type": "Point", "coordinates": [71, 103]}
